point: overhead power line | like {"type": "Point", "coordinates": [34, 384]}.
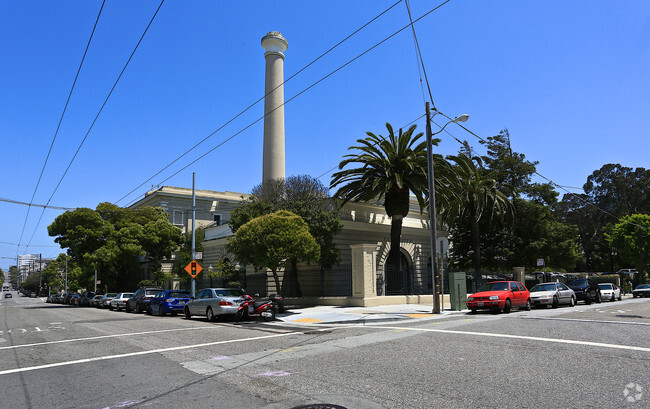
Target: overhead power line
{"type": "Point", "coordinates": [95, 120]}
{"type": "Point", "coordinates": [60, 121]}
{"type": "Point", "coordinates": [255, 103]}
{"type": "Point", "coordinates": [303, 91]}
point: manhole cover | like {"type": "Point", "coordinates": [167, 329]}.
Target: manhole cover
{"type": "Point", "coordinates": [319, 406]}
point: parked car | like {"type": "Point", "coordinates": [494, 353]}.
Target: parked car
{"type": "Point", "coordinates": [641, 290]}
{"type": "Point", "coordinates": [57, 298]}
{"type": "Point", "coordinates": [94, 302]}
{"type": "Point", "coordinates": [84, 300]}
{"type": "Point", "coordinates": [609, 291]}
{"type": "Point", "coordinates": [552, 294]}
{"type": "Point", "coordinates": [214, 302]}
{"type": "Point", "coordinates": [500, 295]}
{"type": "Point", "coordinates": [586, 290]}
{"type": "Point", "coordinates": [75, 299]}
{"type": "Point", "coordinates": [168, 301]}
{"type": "Point", "coordinates": [8, 295]}
{"type": "Point", "coordinates": [66, 299]}
{"type": "Point", "coordinates": [140, 300]}
{"type": "Point", "coordinates": [119, 302]}
{"type": "Point", "coordinates": [105, 301]}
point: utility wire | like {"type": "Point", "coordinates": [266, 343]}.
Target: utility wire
{"type": "Point", "coordinates": [256, 102]}
{"type": "Point", "coordinates": [305, 90]}
{"type": "Point", "coordinates": [59, 125]}
{"type": "Point", "coordinates": [95, 120]}
{"type": "Point", "coordinates": [419, 53]}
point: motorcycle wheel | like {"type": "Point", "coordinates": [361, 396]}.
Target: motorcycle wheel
{"type": "Point", "coordinates": [239, 316]}
{"type": "Point", "coordinates": [268, 315]}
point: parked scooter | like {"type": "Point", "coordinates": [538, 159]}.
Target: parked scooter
{"type": "Point", "coordinates": [263, 310]}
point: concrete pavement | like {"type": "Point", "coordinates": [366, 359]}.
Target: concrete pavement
{"type": "Point", "coordinates": [355, 315]}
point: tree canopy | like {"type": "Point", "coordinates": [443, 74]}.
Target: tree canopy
{"type": "Point", "coordinates": [111, 238]}
{"type": "Point", "coordinates": [270, 240]}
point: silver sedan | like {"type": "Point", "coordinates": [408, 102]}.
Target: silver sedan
{"type": "Point", "coordinates": [552, 294]}
{"type": "Point", "coordinates": [214, 302]}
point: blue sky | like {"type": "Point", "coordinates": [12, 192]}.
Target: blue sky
{"type": "Point", "coordinates": [570, 80]}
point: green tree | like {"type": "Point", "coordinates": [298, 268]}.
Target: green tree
{"type": "Point", "coordinates": [269, 241]}
{"type": "Point", "coordinates": [389, 169]}
{"type": "Point", "coordinates": [111, 238]}
{"type": "Point", "coordinates": [477, 201]}
{"type": "Point", "coordinates": [631, 238]}
{"type": "Point", "coordinates": [308, 198]}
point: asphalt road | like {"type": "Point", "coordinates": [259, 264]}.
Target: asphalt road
{"type": "Point", "coordinates": [54, 356]}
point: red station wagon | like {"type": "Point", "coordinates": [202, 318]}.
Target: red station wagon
{"type": "Point", "coordinates": [500, 295]}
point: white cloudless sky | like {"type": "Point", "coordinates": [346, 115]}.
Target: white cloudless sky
{"type": "Point", "coordinates": [569, 79]}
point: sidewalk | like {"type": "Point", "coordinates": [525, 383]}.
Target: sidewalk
{"type": "Point", "coordinates": [357, 315]}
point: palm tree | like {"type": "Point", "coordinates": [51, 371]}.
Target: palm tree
{"type": "Point", "coordinates": [390, 169]}
{"type": "Point", "coordinates": [475, 198]}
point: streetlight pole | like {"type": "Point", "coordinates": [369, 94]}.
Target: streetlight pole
{"type": "Point", "coordinates": [432, 206]}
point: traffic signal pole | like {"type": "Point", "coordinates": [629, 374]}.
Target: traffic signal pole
{"type": "Point", "coordinates": [193, 289]}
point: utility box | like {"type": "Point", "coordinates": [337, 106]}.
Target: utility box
{"type": "Point", "coordinates": [457, 291]}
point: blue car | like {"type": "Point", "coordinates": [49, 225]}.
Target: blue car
{"type": "Point", "coordinates": [168, 301]}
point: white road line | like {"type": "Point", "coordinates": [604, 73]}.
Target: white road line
{"type": "Point", "coordinates": [148, 352]}
{"type": "Point", "coordinates": [586, 320]}
{"type": "Point", "coordinates": [488, 334]}
{"type": "Point", "coordinates": [105, 336]}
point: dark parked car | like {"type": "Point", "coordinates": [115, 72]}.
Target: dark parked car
{"type": "Point", "coordinates": [84, 301]}
{"type": "Point", "coordinates": [641, 290]}
{"type": "Point", "coordinates": [586, 290]}
{"type": "Point", "coordinates": [75, 299]}
{"type": "Point", "coordinates": [168, 301]}
{"type": "Point", "coordinates": [140, 300]}
{"type": "Point", "coordinates": [67, 297]}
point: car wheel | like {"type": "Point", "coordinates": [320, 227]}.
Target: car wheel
{"type": "Point", "coordinates": [507, 307]}
{"type": "Point", "coordinates": [528, 305]}
{"type": "Point", "coordinates": [473, 311]}
{"type": "Point", "coordinates": [110, 308]}
{"type": "Point", "coordinates": [572, 302]}
{"type": "Point", "coordinates": [210, 314]}
{"type": "Point", "coordinates": [598, 298]}
{"type": "Point", "coordinates": [149, 312]}
{"type": "Point", "coordinates": [613, 297]}
{"type": "Point", "coordinates": [620, 296]}
{"type": "Point", "coordinates": [555, 302]}
{"type": "Point", "coordinates": [188, 316]}
{"type": "Point", "coordinates": [127, 308]}
{"type": "Point", "coordinates": [587, 299]}
{"type": "Point", "coordinates": [161, 312]}
{"type": "Point", "coordinates": [633, 295]}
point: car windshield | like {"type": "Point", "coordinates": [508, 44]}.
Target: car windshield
{"type": "Point", "coordinates": [227, 292]}
{"type": "Point", "coordinates": [151, 292]}
{"type": "Point", "coordinates": [579, 282]}
{"type": "Point", "coordinates": [500, 286]}
{"type": "Point", "coordinates": [127, 295]}
{"type": "Point", "coordinates": [543, 287]}
{"type": "Point", "coordinates": [642, 286]}
{"type": "Point", "coordinates": [178, 294]}
{"type": "Point", "coordinates": [605, 286]}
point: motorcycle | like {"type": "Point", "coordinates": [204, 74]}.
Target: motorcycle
{"type": "Point", "coordinates": [263, 310]}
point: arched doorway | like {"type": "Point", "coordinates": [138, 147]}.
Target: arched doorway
{"type": "Point", "coordinates": [399, 279]}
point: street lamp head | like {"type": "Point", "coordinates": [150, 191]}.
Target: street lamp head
{"type": "Point", "coordinates": [461, 118]}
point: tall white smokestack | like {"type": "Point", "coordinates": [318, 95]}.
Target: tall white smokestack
{"type": "Point", "coordinates": [273, 162]}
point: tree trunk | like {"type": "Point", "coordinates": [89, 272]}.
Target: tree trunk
{"type": "Point", "coordinates": [476, 246]}
{"type": "Point", "coordinates": [392, 267]}
{"type": "Point", "coordinates": [276, 278]}
{"type": "Point", "coordinates": [290, 283]}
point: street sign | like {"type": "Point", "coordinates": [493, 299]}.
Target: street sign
{"type": "Point", "coordinates": [540, 262]}
{"type": "Point", "coordinates": [198, 255]}
{"type": "Point", "coordinates": [193, 268]}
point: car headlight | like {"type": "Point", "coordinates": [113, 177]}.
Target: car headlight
{"type": "Point", "coordinates": [549, 296]}
{"type": "Point", "coordinates": [494, 297]}
{"type": "Point", "coordinates": [470, 299]}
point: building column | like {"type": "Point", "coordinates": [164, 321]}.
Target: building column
{"type": "Point", "coordinates": [364, 270]}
